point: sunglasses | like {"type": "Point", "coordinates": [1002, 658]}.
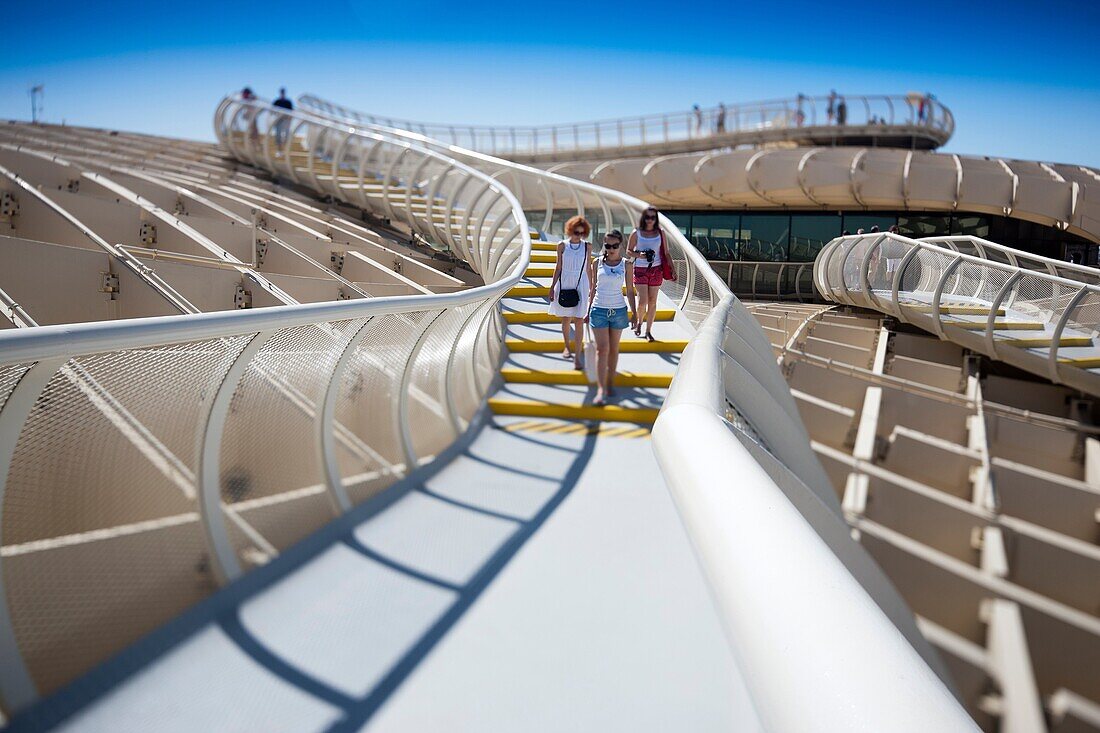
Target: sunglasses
{"type": "Point", "coordinates": [578, 232]}
{"type": "Point", "coordinates": [607, 245]}
{"type": "Point", "coordinates": [649, 217]}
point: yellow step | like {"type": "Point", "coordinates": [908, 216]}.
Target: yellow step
{"type": "Point", "coordinates": [533, 291]}
{"type": "Point", "coordinates": [997, 325]}
{"type": "Point", "coordinates": [528, 291]}
{"type": "Point", "coordinates": [1084, 362]}
{"type": "Point", "coordinates": [539, 272]}
{"type": "Point", "coordinates": [1041, 341]}
{"type": "Point", "coordinates": [627, 347]}
{"type": "Point", "coordinates": [544, 259]}
{"type": "Point", "coordinates": [957, 310]}
{"type": "Point", "coordinates": [572, 376]}
{"type": "Point", "coordinates": [608, 413]}
{"type": "Point", "coordinates": [664, 314]}
{"type": "Point", "coordinates": [544, 246]}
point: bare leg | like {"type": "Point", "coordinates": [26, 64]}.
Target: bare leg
{"type": "Point", "coordinates": [651, 312]}
{"type": "Point", "coordinates": [565, 338]}
{"type": "Point", "coordinates": [643, 304]}
{"type": "Point", "coordinates": [602, 382]}
{"type": "Point", "coordinates": [578, 337]}
{"type": "Point", "coordinates": [614, 335]}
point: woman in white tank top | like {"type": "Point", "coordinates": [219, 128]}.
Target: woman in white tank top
{"type": "Point", "coordinates": [608, 316]}
{"type": "Point", "coordinates": [572, 272]}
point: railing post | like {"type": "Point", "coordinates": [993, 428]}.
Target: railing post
{"type": "Point", "coordinates": [402, 412]}
{"type": "Point", "coordinates": [224, 562]}
{"type": "Point", "coordinates": [991, 319]}
{"type": "Point", "coordinates": [864, 276]}
{"type": "Point", "coordinates": [1055, 343]}
{"type": "Point", "coordinates": [896, 284]}
{"type": "Point", "coordinates": [326, 416]}
{"type": "Point", "coordinates": [17, 689]}
{"type": "Point", "coordinates": [938, 294]}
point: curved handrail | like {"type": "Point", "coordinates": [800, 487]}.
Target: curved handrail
{"type": "Point", "coordinates": [176, 384]}
{"type": "Point", "coordinates": [786, 574]}
{"type": "Point", "coordinates": [982, 301]}
{"type": "Point", "coordinates": [730, 370]}
{"type": "Point", "coordinates": [802, 118]}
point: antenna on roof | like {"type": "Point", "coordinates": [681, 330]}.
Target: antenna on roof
{"type": "Point", "coordinates": [36, 92]}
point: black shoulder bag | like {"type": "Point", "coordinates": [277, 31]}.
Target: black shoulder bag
{"type": "Point", "coordinates": [571, 298]}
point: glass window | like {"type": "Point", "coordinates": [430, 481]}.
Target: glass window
{"type": "Point", "coordinates": [854, 222]}
{"type": "Point", "coordinates": [924, 226]}
{"type": "Point", "coordinates": [715, 235]}
{"type": "Point", "coordinates": [811, 232]}
{"type": "Point", "coordinates": [765, 237]}
{"type": "Point", "coordinates": [974, 225]}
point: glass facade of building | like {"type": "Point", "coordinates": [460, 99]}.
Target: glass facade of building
{"type": "Point", "coordinates": [771, 236]}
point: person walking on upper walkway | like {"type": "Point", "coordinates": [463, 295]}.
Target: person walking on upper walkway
{"type": "Point", "coordinates": [698, 115]}
{"type": "Point", "coordinates": [570, 286]}
{"type": "Point", "coordinates": [652, 265]}
{"type": "Point", "coordinates": [831, 109]}
{"type": "Point", "coordinates": [608, 315]}
{"type": "Point", "coordinates": [720, 123]}
{"type": "Point", "coordinates": [842, 112]}
{"type": "Point", "coordinates": [283, 122]}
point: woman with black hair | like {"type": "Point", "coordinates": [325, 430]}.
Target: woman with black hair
{"type": "Point", "coordinates": [652, 265]}
{"type": "Point", "coordinates": [608, 315]}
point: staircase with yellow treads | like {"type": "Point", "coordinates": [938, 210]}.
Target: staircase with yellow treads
{"type": "Point", "coordinates": [539, 383]}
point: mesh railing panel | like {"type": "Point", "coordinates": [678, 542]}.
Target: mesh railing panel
{"type": "Point", "coordinates": [101, 535]}
{"type": "Point", "coordinates": [1034, 296]}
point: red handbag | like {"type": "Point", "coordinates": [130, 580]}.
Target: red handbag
{"type": "Point", "coordinates": [668, 272]}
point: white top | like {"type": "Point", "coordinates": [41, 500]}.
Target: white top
{"type": "Point", "coordinates": [647, 244]}
{"type": "Point", "coordinates": [574, 275]}
{"type": "Point", "coordinates": [610, 280]}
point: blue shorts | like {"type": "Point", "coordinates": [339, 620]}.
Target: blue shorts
{"type": "Point", "coordinates": [609, 318]}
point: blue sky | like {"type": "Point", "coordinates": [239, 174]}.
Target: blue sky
{"type": "Point", "coordinates": [1021, 78]}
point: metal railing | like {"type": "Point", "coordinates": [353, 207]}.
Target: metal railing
{"type": "Point", "coordinates": [730, 369]}
{"type": "Point", "coordinates": [1033, 312]}
{"type": "Point", "coordinates": [144, 462]}
{"type": "Point", "coordinates": [769, 280]}
{"type": "Point", "coordinates": [779, 558]}
{"type": "Point", "coordinates": [798, 118]}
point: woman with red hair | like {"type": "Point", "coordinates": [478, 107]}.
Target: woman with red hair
{"type": "Point", "coordinates": [570, 285]}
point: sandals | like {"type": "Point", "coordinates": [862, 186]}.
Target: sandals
{"type": "Point", "coordinates": [649, 338]}
{"type": "Point", "coordinates": [600, 401]}
{"type": "Point", "coordinates": [566, 354]}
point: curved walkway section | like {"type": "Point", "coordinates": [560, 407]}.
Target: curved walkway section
{"type": "Point", "coordinates": [1037, 314]}
{"type": "Point", "coordinates": [910, 121]}
{"type": "Point", "coordinates": [516, 581]}
{"type": "Point", "coordinates": [1054, 194]}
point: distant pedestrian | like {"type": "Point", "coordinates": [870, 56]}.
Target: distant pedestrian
{"type": "Point", "coordinates": [283, 122]}
{"type": "Point", "coordinates": [893, 229]}
{"type": "Point", "coordinates": [842, 112]}
{"type": "Point", "coordinates": [698, 114]}
{"type": "Point", "coordinates": [859, 231]}
{"type": "Point", "coordinates": [831, 110]}
{"type": "Point", "coordinates": [720, 125]}
{"type": "Point", "coordinates": [874, 229]}
{"type": "Point", "coordinates": [799, 115]}
{"type": "Point", "coordinates": [249, 114]}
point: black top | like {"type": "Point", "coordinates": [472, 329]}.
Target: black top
{"type": "Point", "coordinates": [283, 102]}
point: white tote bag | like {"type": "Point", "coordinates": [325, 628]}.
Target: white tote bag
{"type": "Point", "coordinates": [590, 372]}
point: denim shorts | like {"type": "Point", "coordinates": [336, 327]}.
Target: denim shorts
{"type": "Point", "coordinates": [609, 318]}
